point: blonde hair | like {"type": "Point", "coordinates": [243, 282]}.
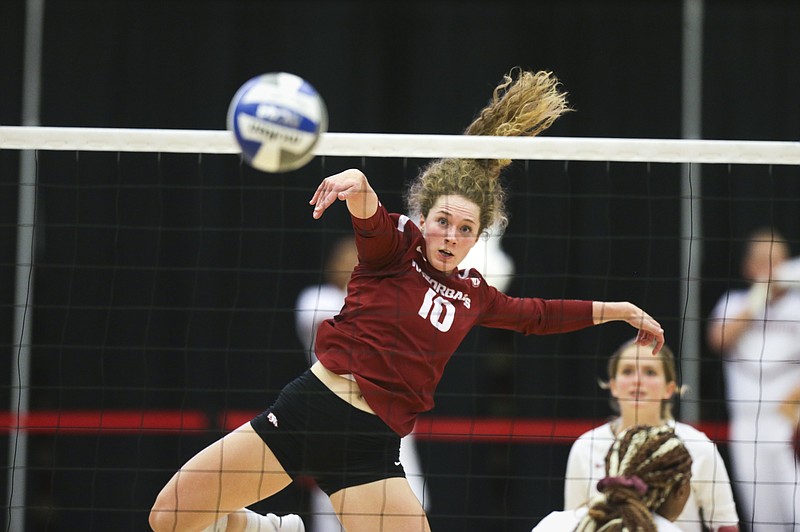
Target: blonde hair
{"type": "Point", "coordinates": [643, 466]}
{"type": "Point", "coordinates": [523, 104]}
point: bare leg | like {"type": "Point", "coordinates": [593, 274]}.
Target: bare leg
{"type": "Point", "coordinates": [387, 505]}
{"type": "Point", "coordinates": [226, 476]}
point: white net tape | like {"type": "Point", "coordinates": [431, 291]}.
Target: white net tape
{"type": "Point", "coordinates": [414, 146]}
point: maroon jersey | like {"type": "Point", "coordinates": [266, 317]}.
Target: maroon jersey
{"type": "Point", "coordinates": [403, 319]}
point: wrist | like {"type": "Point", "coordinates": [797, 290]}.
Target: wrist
{"type": "Point", "coordinates": [605, 311]}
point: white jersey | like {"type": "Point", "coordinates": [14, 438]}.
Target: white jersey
{"type": "Point", "coordinates": [567, 520]}
{"type": "Point", "coordinates": [763, 366]}
{"type": "Point", "coordinates": [316, 304]}
{"type": "Point", "coordinates": [711, 487]}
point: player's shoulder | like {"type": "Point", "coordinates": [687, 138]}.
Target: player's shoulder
{"type": "Point", "coordinates": [602, 433]}
{"type": "Point", "coordinates": [665, 525]}
{"type": "Point", "coordinates": [690, 435]}
{"type": "Point", "coordinates": [730, 303]}
{"type": "Point", "coordinates": [733, 296]}
{"type": "Point", "coordinates": [558, 521]}
{"type": "Point", "coordinates": [400, 221]}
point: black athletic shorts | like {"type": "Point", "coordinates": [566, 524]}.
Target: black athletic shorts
{"type": "Point", "coordinates": [315, 433]}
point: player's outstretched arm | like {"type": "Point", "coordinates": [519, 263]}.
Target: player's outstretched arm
{"type": "Point", "coordinates": [650, 331]}
{"type": "Point", "coordinates": [350, 186]}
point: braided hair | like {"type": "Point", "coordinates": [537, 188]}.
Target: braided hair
{"type": "Point", "coordinates": [643, 466]}
{"type": "Point", "coordinates": [523, 104]}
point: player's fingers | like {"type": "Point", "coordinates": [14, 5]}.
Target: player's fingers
{"type": "Point", "coordinates": [659, 343]}
{"type": "Point", "coordinates": [650, 333]}
{"type": "Point", "coordinates": [647, 338]}
{"type": "Point", "coordinates": [323, 202]}
{"type": "Point", "coordinates": [319, 192]}
{"type": "Point", "coordinates": [324, 196]}
{"type": "Point", "coordinates": [339, 186]}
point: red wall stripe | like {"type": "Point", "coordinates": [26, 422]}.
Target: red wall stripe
{"type": "Point", "coordinates": [428, 428]}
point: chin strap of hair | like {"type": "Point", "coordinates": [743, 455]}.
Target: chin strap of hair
{"type": "Point", "coordinates": [632, 481]}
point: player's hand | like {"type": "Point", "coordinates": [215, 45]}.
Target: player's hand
{"type": "Point", "coordinates": [646, 339]}
{"type": "Point", "coordinates": [337, 187]}
{"type": "Point", "coordinates": [650, 331]}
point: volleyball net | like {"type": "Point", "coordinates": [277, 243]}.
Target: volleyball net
{"type": "Point", "coordinates": [151, 282]}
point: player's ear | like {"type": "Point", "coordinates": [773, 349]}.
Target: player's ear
{"type": "Point", "coordinates": [670, 390]}
{"type": "Point", "coordinates": [612, 387]}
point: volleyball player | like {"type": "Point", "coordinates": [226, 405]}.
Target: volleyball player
{"type": "Point", "coordinates": [407, 309]}
{"type": "Point", "coordinates": [645, 486]}
{"type": "Point", "coordinates": [315, 304]}
{"type": "Point", "coordinates": [642, 389]}
{"type": "Point", "coordinates": [757, 333]}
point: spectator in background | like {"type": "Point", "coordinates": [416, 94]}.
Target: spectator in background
{"type": "Point", "coordinates": [316, 304]}
{"type": "Point", "coordinates": [757, 332]}
{"type": "Point", "coordinates": [642, 387]}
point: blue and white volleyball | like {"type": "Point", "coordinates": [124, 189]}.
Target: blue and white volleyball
{"type": "Point", "coordinates": [277, 120]}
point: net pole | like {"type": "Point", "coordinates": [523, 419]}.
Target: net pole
{"type": "Point", "coordinates": [23, 289]}
{"type": "Point", "coordinates": [691, 208]}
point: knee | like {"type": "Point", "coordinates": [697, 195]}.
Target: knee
{"type": "Point", "coordinates": [161, 517]}
{"type": "Point", "coordinates": [158, 520]}
{"type": "Point", "coordinates": [154, 521]}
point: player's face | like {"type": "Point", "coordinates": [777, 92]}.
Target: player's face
{"type": "Point", "coordinates": [763, 258]}
{"type": "Point", "coordinates": [451, 229]}
{"type": "Point", "coordinates": [640, 384]}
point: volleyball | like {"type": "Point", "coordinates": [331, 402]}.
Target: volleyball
{"type": "Point", "coordinates": [277, 120]}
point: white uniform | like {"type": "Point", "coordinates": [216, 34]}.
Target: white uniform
{"type": "Point", "coordinates": [567, 520]}
{"type": "Point", "coordinates": [314, 305]}
{"type": "Point", "coordinates": [711, 489]}
{"type": "Point", "coordinates": [761, 369]}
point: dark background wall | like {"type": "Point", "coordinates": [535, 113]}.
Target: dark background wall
{"type": "Point", "coordinates": [167, 282]}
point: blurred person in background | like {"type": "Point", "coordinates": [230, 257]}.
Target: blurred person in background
{"type": "Point", "coordinates": [757, 332]}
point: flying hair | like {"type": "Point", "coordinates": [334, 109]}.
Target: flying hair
{"type": "Point", "coordinates": [523, 104]}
